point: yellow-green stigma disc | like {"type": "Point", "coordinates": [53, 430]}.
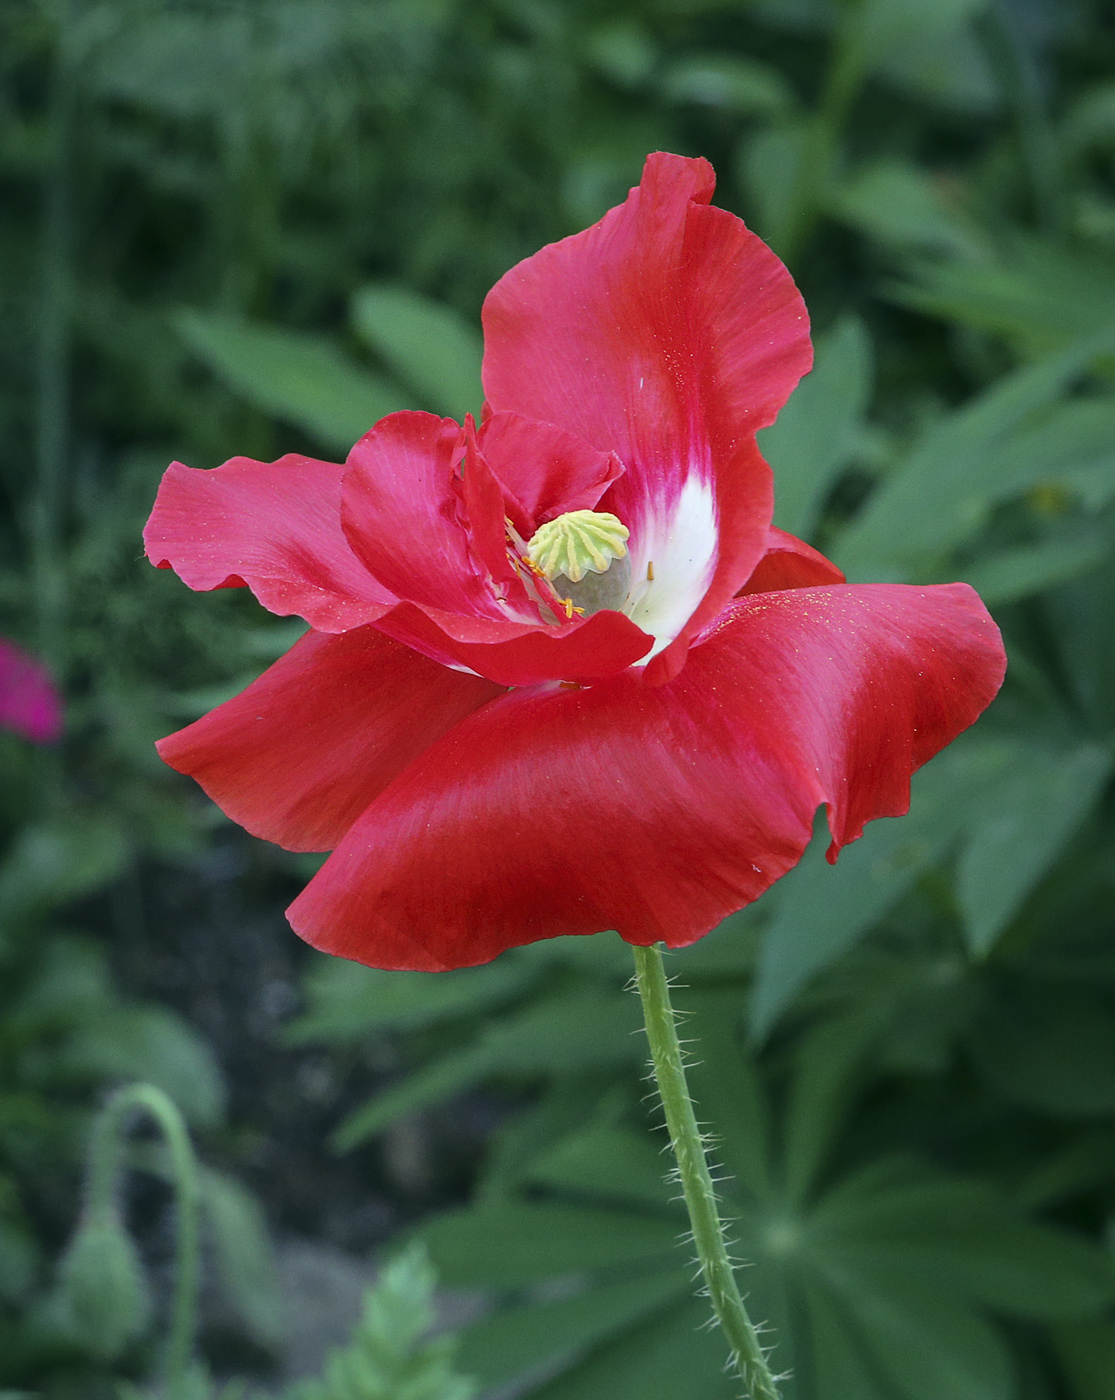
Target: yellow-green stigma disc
{"type": "Point", "coordinates": [579, 542]}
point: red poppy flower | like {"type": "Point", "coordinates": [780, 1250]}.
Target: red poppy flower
{"type": "Point", "coordinates": [563, 674]}
{"type": "Point", "coordinates": [29, 703]}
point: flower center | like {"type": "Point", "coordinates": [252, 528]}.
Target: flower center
{"type": "Point", "coordinates": [576, 553]}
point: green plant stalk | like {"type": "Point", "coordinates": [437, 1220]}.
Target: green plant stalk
{"type": "Point", "coordinates": [696, 1181]}
{"type": "Point", "coordinates": [105, 1158]}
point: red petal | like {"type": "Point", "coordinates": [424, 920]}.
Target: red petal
{"type": "Point", "coordinates": [275, 526]}
{"type": "Point", "coordinates": [790, 563]}
{"type": "Point", "coordinates": [298, 756]}
{"type": "Point", "coordinates": [545, 470]}
{"type": "Point", "coordinates": [520, 653]}
{"type": "Point", "coordinates": [668, 334]}
{"type": "Point", "coordinates": [403, 513]}
{"type": "Point", "coordinates": [658, 810]}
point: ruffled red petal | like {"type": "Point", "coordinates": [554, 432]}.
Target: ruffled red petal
{"type": "Point", "coordinates": [403, 513]}
{"type": "Point", "coordinates": [301, 753]}
{"type": "Point", "coordinates": [516, 653]}
{"type": "Point", "coordinates": [669, 334]}
{"type": "Point", "coordinates": [544, 470]}
{"type": "Point", "coordinates": [658, 810]}
{"type": "Point", "coordinates": [790, 563]}
{"type": "Point", "coordinates": [274, 526]}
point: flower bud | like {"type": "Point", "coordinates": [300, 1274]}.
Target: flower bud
{"type": "Point", "coordinates": [103, 1301]}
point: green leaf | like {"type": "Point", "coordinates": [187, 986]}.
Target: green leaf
{"type": "Point", "coordinates": [152, 1043]}
{"type": "Point", "coordinates": [516, 1341]}
{"type": "Point", "coordinates": [1013, 574]}
{"type": "Point", "coordinates": [390, 1356]}
{"type": "Point", "coordinates": [430, 346]}
{"type": "Point", "coordinates": [815, 433]}
{"type": "Point", "coordinates": [1039, 295]}
{"type": "Point", "coordinates": [739, 85]}
{"type": "Point", "coordinates": [52, 863]}
{"type": "Point", "coordinates": [583, 1028]}
{"type": "Point", "coordinates": [612, 1164]}
{"type": "Point", "coordinates": [825, 909]}
{"type": "Point", "coordinates": [293, 376]}
{"type": "Point", "coordinates": [243, 1254]}
{"type": "Point", "coordinates": [929, 1348]}
{"type": "Point", "coordinates": [1086, 1351]}
{"type": "Point", "coordinates": [941, 492]}
{"type": "Point", "coordinates": [901, 205]}
{"type": "Point", "coordinates": [1047, 1049]}
{"type": "Point", "coordinates": [1020, 827]}
{"type": "Point", "coordinates": [670, 1354]}
{"type": "Point", "coordinates": [509, 1244]}
{"type": "Point", "coordinates": [769, 164]}
{"type": "Point", "coordinates": [348, 1002]}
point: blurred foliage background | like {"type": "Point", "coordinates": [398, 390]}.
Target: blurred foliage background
{"type": "Point", "coordinates": [255, 226]}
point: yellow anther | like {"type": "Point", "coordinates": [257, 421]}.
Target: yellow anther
{"type": "Point", "coordinates": [579, 542]}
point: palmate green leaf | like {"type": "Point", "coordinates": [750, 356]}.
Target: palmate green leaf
{"type": "Point", "coordinates": [1020, 827]}
{"type": "Point", "coordinates": [943, 490]}
{"type": "Point", "coordinates": [509, 1244]}
{"type": "Point", "coordinates": [811, 441]}
{"type": "Point", "coordinates": [824, 910]}
{"type": "Point", "coordinates": [610, 1164]}
{"type": "Point", "coordinates": [1049, 1048]}
{"type": "Point", "coordinates": [515, 1341]}
{"type": "Point", "coordinates": [348, 1001]}
{"type": "Point", "coordinates": [887, 1277]}
{"type": "Point", "coordinates": [928, 1348]}
{"type": "Point", "coordinates": [299, 378]}
{"type": "Point", "coordinates": [1086, 1351]}
{"type": "Point", "coordinates": [430, 346]}
{"type": "Point", "coordinates": [584, 1028]}
{"type": "Point", "coordinates": [670, 1354]}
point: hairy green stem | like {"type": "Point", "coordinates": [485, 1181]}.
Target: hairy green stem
{"type": "Point", "coordinates": [105, 1159]}
{"type": "Point", "coordinates": [696, 1181]}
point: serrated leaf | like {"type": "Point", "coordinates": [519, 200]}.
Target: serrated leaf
{"type": "Point", "coordinates": [430, 346]}
{"type": "Point", "coordinates": [810, 443]}
{"type": "Point", "coordinates": [293, 376]}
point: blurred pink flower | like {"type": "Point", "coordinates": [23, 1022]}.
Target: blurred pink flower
{"type": "Point", "coordinates": [29, 703]}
